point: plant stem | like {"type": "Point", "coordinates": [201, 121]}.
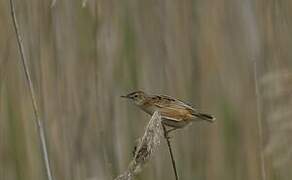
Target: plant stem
{"type": "Point", "coordinates": [38, 122]}
{"type": "Point", "coordinates": [170, 151]}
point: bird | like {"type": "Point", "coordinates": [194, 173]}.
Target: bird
{"type": "Point", "coordinates": [175, 113]}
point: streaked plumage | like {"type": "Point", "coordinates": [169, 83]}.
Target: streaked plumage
{"type": "Point", "coordinates": [175, 113]}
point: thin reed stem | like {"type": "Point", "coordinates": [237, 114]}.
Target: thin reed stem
{"type": "Point", "coordinates": [38, 122]}
{"type": "Point", "coordinates": [170, 151]}
{"type": "Point", "coordinates": [259, 121]}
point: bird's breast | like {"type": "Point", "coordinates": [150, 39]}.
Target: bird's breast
{"type": "Point", "coordinates": [149, 109]}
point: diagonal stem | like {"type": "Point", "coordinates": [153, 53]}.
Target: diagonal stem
{"type": "Point", "coordinates": [170, 151]}
{"type": "Point", "coordinates": [38, 122]}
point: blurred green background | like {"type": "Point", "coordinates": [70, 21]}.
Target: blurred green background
{"type": "Point", "coordinates": [84, 54]}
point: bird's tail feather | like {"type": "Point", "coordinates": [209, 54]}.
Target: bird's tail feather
{"type": "Point", "coordinates": [203, 116]}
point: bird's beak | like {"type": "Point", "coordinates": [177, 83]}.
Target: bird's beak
{"type": "Point", "coordinates": [124, 96]}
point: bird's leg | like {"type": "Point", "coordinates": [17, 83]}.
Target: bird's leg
{"type": "Point", "coordinates": [171, 125]}
{"type": "Point", "coordinates": [167, 136]}
{"type": "Point", "coordinates": [167, 131]}
{"type": "Point", "coordinates": [172, 129]}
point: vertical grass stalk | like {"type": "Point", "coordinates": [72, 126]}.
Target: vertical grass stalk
{"type": "Point", "coordinates": [170, 152]}
{"type": "Point", "coordinates": [38, 121]}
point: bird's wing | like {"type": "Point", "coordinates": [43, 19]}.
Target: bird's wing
{"type": "Point", "coordinates": [170, 102]}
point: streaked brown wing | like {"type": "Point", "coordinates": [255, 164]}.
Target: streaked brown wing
{"type": "Point", "coordinates": [167, 101]}
{"type": "Point", "coordinates": [176, 114]}
{"type": "Point", "coordinates": [171, 108]}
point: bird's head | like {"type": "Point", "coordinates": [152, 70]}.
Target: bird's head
{"type": "Point", "coordinates": [137, 97]}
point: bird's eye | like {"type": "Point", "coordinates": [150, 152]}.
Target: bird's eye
{"type": "Point", "coordinates": [136, 96]}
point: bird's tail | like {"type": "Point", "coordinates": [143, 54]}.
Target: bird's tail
{"type": "Point", "coordinates": [203, 116]}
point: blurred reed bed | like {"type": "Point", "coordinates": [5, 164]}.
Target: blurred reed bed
{"type": "Point", "coordinates": [277, 95]}
{"type": "Point", "coordinates": [82, 58]}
